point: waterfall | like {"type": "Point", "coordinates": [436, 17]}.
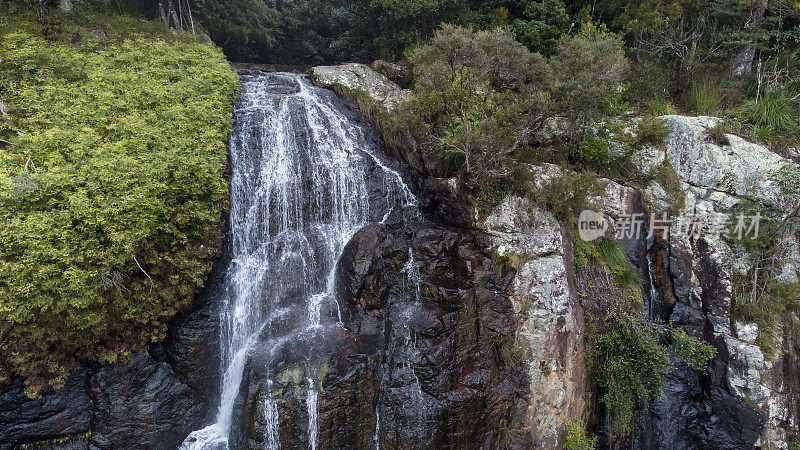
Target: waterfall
{"type": "Point", "coordinates": [270, 420]}
{"type": "Point", "coordinates": [305, 177]}
{"type": "Point", "coordinates": [652, 300]}
{"type": "Point", "coordinates": [311, 406]}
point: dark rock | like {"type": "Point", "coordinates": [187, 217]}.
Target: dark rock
{"type": "Point", "coordinates": [63, 413]}
{"type": "Point", "coordinates": [141, 404]}
{"type": "Point", "coordinates": [418, 361]}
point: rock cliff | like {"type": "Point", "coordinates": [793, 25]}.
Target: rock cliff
{"type": "Point", "coordinates": [494, 312]}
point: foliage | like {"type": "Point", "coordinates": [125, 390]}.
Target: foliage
{"type": "Point", "coordinates": [578, 438]}
{"type": "Point", "coordinates": [655, 107]}
{"type": "Point", "coordinates": [772, 115]}
{"type": "Point", "coordinates": [609, 254]}
{"type": "Point", "coordinates": [771, 310]}
{"type": "Point", "coordinates": [541, 26]}
{"type": "Point", "coordinates": [121, 149]}
{"type": "Point", "coordinates": [665, 175]}
{"type": "Point", "coordinates": [718, 134]}
{"type": "Point", "coordinates": [477, 92]}
{"type": "Point", "coordinates": [629, 365]}
{"type": "Point", "coordinates": [490, 196]}
{"type": "Point", "coordinates": [627, 356]}
{"type": "Point", "coordinates": [589, 69]}
{"type": "Point", "coordinates": [652, 130]}
{"type": "Point", "coordinates": [566, 195]}
{"type": "Point", "coordinates": [694, 352]}
{"type": "Point", "coordinates": [703, 97]}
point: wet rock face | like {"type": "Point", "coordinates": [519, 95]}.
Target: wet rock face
{"type": "Point", "coordinates": [688, 416]}
{"type": "Point", "coordinates": [743, 401]}
{"type": "Point", "coordinates": [153, 401]}
{"type": "Point", "coordinates": [424, 358]}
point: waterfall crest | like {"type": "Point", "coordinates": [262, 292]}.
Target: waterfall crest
{"type": "Point", "coordinates": [306, 177]}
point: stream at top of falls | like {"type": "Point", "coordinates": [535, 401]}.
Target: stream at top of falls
{"type": "Point", "coordinates": [305, 177]}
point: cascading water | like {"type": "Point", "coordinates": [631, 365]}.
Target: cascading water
{"type": "Point", "coordinates": [305, 178]}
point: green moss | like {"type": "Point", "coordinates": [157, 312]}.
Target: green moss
{"type": "Point", "coordinates": [291, 376]}
{"type": "Point", "coordinates": [111, 203]}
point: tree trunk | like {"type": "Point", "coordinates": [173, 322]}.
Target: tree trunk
{"type": "Point", "coordinates": [742, 63]}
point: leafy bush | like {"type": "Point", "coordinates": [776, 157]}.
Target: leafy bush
{"type": "Point", "coordinates": [655, 107]}
{"type": "Point", "coordinates": [589, 69]}
{"type": "Point", "coordinates": [629, 365]}
{"type": "Point", "coordinates": [668, 179]}
{"type": "Point", "coordinates": [475, 91]}
{"type": "Point", "coordinates": [111, 204]}
{"type": "Point", "coordinates": [695, 353]}
{"type": "Point", "coordinates": [594, 152]}
{"type": "Point", "coordinates": [652, 130]}
{"type": "Point", "coordinates": [568, 194]}
{"type": "Point", "coordinates": [578, 438]}
{"type": "Point", "coordinates": [543, 23]}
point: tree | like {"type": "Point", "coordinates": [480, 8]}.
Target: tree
{"type": "Point", "coordinates": [541, 26]}
{"type": "Point", "coordinates": [482, 91]}
{"type": "Point", "coordinates": [176, 14]}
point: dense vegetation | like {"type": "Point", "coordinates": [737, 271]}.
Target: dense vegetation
{"type": "Point", "coordinates": [112, 184]}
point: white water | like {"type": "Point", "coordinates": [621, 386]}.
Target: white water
{"type": "Point", "coordinates": [311, 407]}
{"type": "Point", "coordinates": [271, 421]}
{"type": "Point", "coordinates": [653, 298]}
{"type": "Point", "coordinates": [305, 178]}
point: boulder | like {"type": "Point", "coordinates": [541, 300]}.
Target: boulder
{"type": "Point", "coordinates": [355, 76]}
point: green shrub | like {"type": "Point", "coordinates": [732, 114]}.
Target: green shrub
{"type": "Point", "coordinates": [652, 130]}
{"type": "Point", "coordinates": [590, 69]}
{"type": "Point", "coordinates": [703, 97]}
{"type": "Point", "coordinates": [115, 228]}
{"type": "Point", "coordinates": [490, 195]}
{"type": "Point", "coordinates": [718, 134]}
{"type": "Point", "coordinates": [774, 114]}
{"type": "Point", "coordinates": [629, 366]}
{"type": "Point", "coordinates": [668, 179]}
{"type": "Point", "coordinates": [594, 152]}
{"type": "Point", "coordinates": [655, 107]}
{"type": "Point", "coordinates": [695, 353]}
{"type": "Point", "coordinates": [565, 196]}
{"type": "Point", "coordinates": [578, 438]}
